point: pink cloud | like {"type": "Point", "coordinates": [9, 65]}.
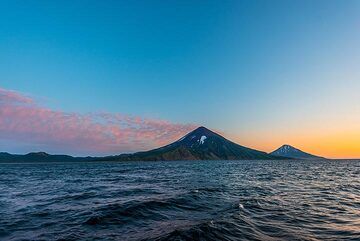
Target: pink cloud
{"type": "Point", "coordinates": [12, 97]}
{"type": "Point", "coordinates": [22, 120]}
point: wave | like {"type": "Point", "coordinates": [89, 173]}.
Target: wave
{"type": "Point", "coordinates": [140, 210]}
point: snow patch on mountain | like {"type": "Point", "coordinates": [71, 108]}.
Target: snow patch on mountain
{"type": "Point", "coordinates": [202, 140]}
{"type": "Point", "coordinates": [286, 149]}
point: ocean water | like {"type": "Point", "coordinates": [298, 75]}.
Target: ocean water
{"type": "Point", "coordinates": [185, 200]}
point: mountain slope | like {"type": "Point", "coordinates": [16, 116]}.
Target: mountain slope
{"type": "Point", "coordinates": [200, 144]}
{"type": "Point", "coordinates": [292, 152]}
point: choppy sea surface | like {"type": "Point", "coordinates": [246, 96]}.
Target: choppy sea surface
{"type": "Point", "coordinates": [185, 200]}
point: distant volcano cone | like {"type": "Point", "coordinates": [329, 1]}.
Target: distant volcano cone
{"type": "Point", "coordinates": [292, 152]}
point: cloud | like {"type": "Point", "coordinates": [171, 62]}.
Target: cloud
{"type": "Point", "coordinates": [12, 97]}
{"type": "Point", "coordinates": [23, 120]}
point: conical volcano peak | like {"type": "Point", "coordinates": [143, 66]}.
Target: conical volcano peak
{"type": "Point", "coordinates": [201, 128]}
{"type": "Point", "coordinates": [203, 131]}
{"type": "Point", "coordinates": [285, 150]}
{"type": "Point", "coordinates": [199, 135]}
{"type": "Point", "coordinates": [292, 152]}
{"type": "Point", "coordinates": [287, 147]}
{"type": "Point", "coordinates": [199, 144]}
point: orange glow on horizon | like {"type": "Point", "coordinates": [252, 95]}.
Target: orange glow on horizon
{"type": "Point", "coordinates": [340, 144]}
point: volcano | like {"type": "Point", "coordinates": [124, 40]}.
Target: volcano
{"type": "Point", "coordinates": [200, 144]}
{"type": "Point", "coordinates": [292, 152]}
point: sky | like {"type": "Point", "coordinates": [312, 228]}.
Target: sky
{"type": "Point", "coordinates": [107, 77]}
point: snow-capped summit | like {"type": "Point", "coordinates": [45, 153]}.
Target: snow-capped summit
{"type": "Point", "coordinates": [292, 152]}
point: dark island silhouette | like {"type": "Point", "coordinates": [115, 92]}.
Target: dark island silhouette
{"type": "Point", "coordinates": [200, 144]}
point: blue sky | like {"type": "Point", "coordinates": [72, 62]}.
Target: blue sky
{"type": "Point", "coordinates": [246, 68]}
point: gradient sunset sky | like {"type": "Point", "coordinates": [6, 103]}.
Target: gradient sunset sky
{"type": "Point", "coordinates": [106, 77]}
